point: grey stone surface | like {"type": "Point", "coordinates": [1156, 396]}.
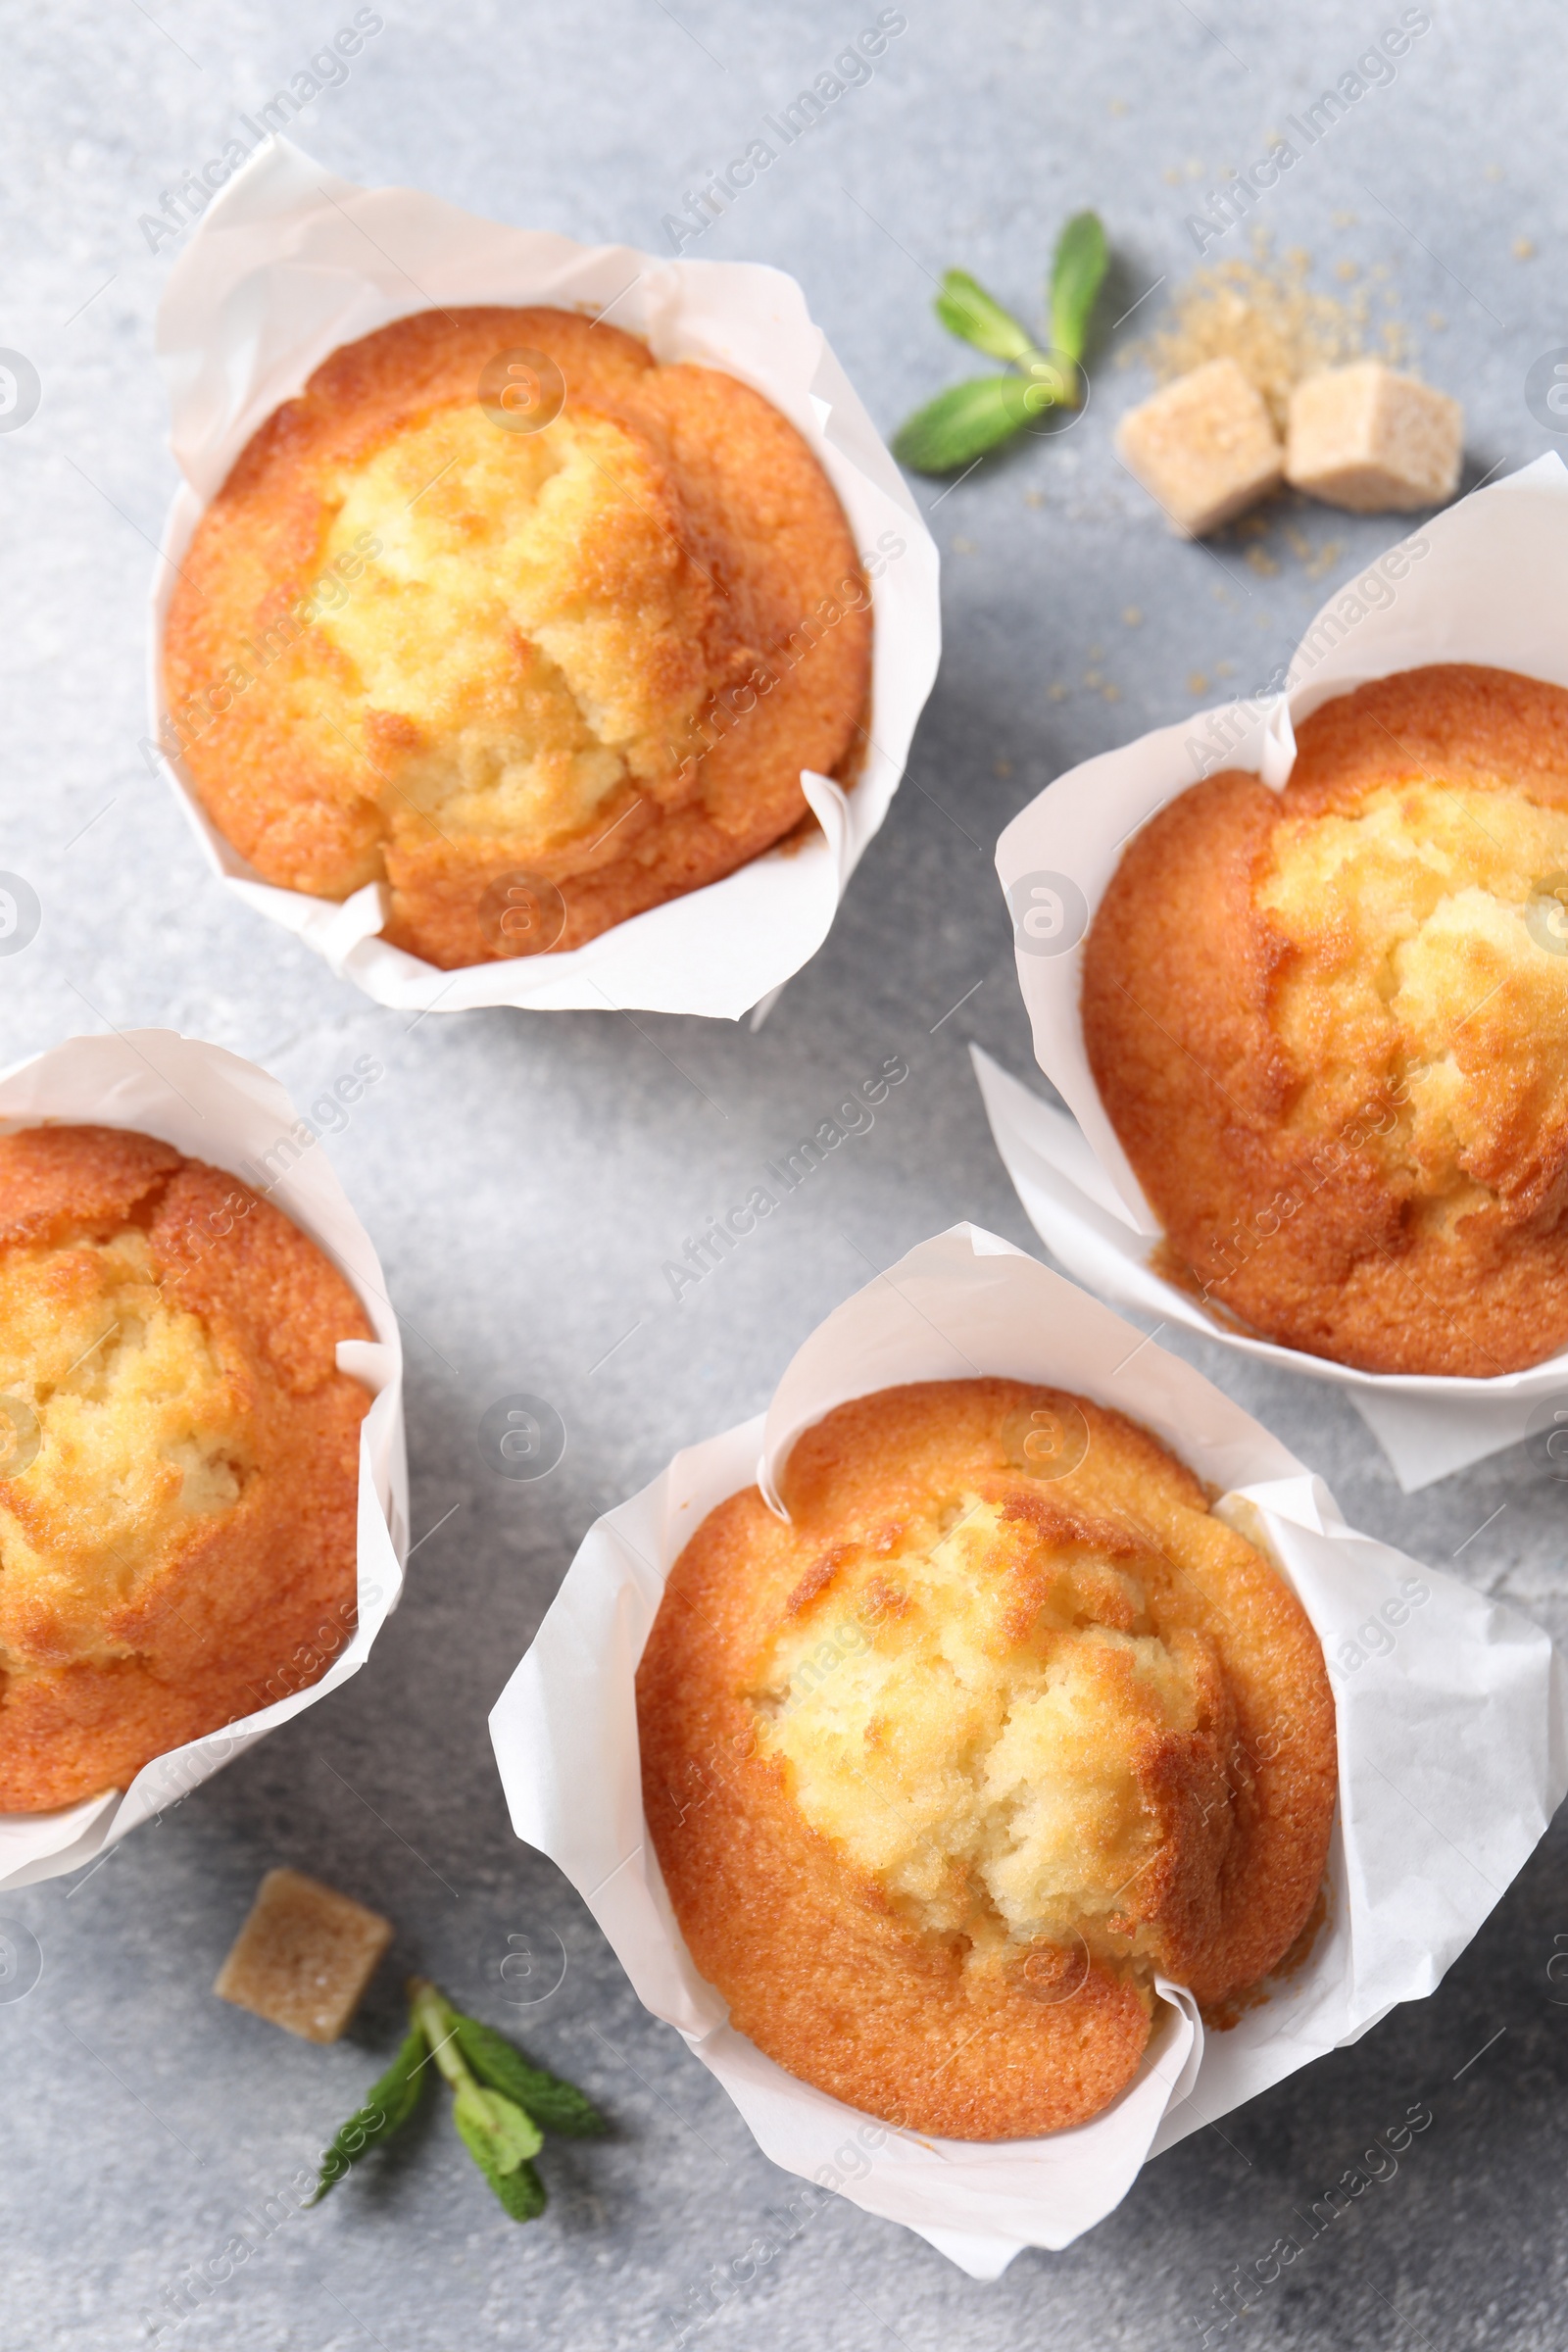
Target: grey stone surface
{"type": "Point", "coordinates": [526, 1176]}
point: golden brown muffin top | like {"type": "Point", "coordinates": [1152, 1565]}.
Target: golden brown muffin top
{"type": "Point", "coordinates": [1331, 1028]}
{"type": "Point", "coordinates": [178, 1470]}
{"type": "Point", "coordinates": [942, 1772]}
{"type": "Point", "coordinates": [410, 643]}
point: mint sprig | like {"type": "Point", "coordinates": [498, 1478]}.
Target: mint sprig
{"type": "Point", "coordinates": [962, 423]}
{"type": "Point", "coordinates": [502, 2104]}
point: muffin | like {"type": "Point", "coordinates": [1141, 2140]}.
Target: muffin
{"type": "Point", "coordinates": [178, 1458]}
{"type": "Point", "coordinates": [1330, 1026]}
{"type": "Point", "coordinates": [999, 1724]}
{"type": "Point", "coordinates": [508, 617]}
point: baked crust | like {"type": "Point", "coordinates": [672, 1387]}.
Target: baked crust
{"type": "Point", "coordinates": [1330, 1026]}
{"type": "Point", "coordinates": [408, 645]}
{"type": "Point", "coordinates": [179, 1549]}
{"type": "Point", "coordinates": [940, 1772]}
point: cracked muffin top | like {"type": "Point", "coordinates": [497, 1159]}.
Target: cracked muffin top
{"type": "Point", "coordinates": [1330, 1026]}
{"type": "Point", "coordinates": [179, 1457]}
{"type": "Point", "coordinates": [500, 604]}
{"type": "Point", "coordinates": [1003, 1723]}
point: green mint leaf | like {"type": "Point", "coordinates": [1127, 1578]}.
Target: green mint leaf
{"type": "Point", "coordinates": [1077, 273]}
{"type": "Point", "coordinates": [494, 2129]}
{"type": "Point", "coordinates": [387, 2104]}
{"type": "Point", "coordinates": [521, 2192]}
{"type": "Point", "coordinates": [967, 310]}
{"type": "Point", "coordinates": [554, 2105]}
{"type": "Point", "coordinates": [518, 2186]}
{"type": "Point", "coordinates": [962, 423]}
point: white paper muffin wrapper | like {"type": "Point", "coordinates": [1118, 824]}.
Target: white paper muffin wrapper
{"type": "Point", "coordinates": [1453, 1713]}
{"type": "Point", "coordinates": [1484, 582]}
{"type": "Point", "coordinates": [290, 264]}
{"type": "Point", "coordinates": [215, 1106]}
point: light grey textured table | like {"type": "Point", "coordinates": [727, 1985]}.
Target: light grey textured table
{"type": "Point", "coordinates": [525, 1177]}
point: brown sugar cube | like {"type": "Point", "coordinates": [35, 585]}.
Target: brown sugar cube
{"type": "Point", "coordinates": [1203, 447]}
{"type": "Point", "coordinates": [303, 1956]}
{"type": "Point", "coordinates": [1368, 439]}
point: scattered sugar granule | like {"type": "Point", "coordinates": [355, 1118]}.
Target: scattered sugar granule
{"type": "Point", "coordinates": [1265, 316]}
